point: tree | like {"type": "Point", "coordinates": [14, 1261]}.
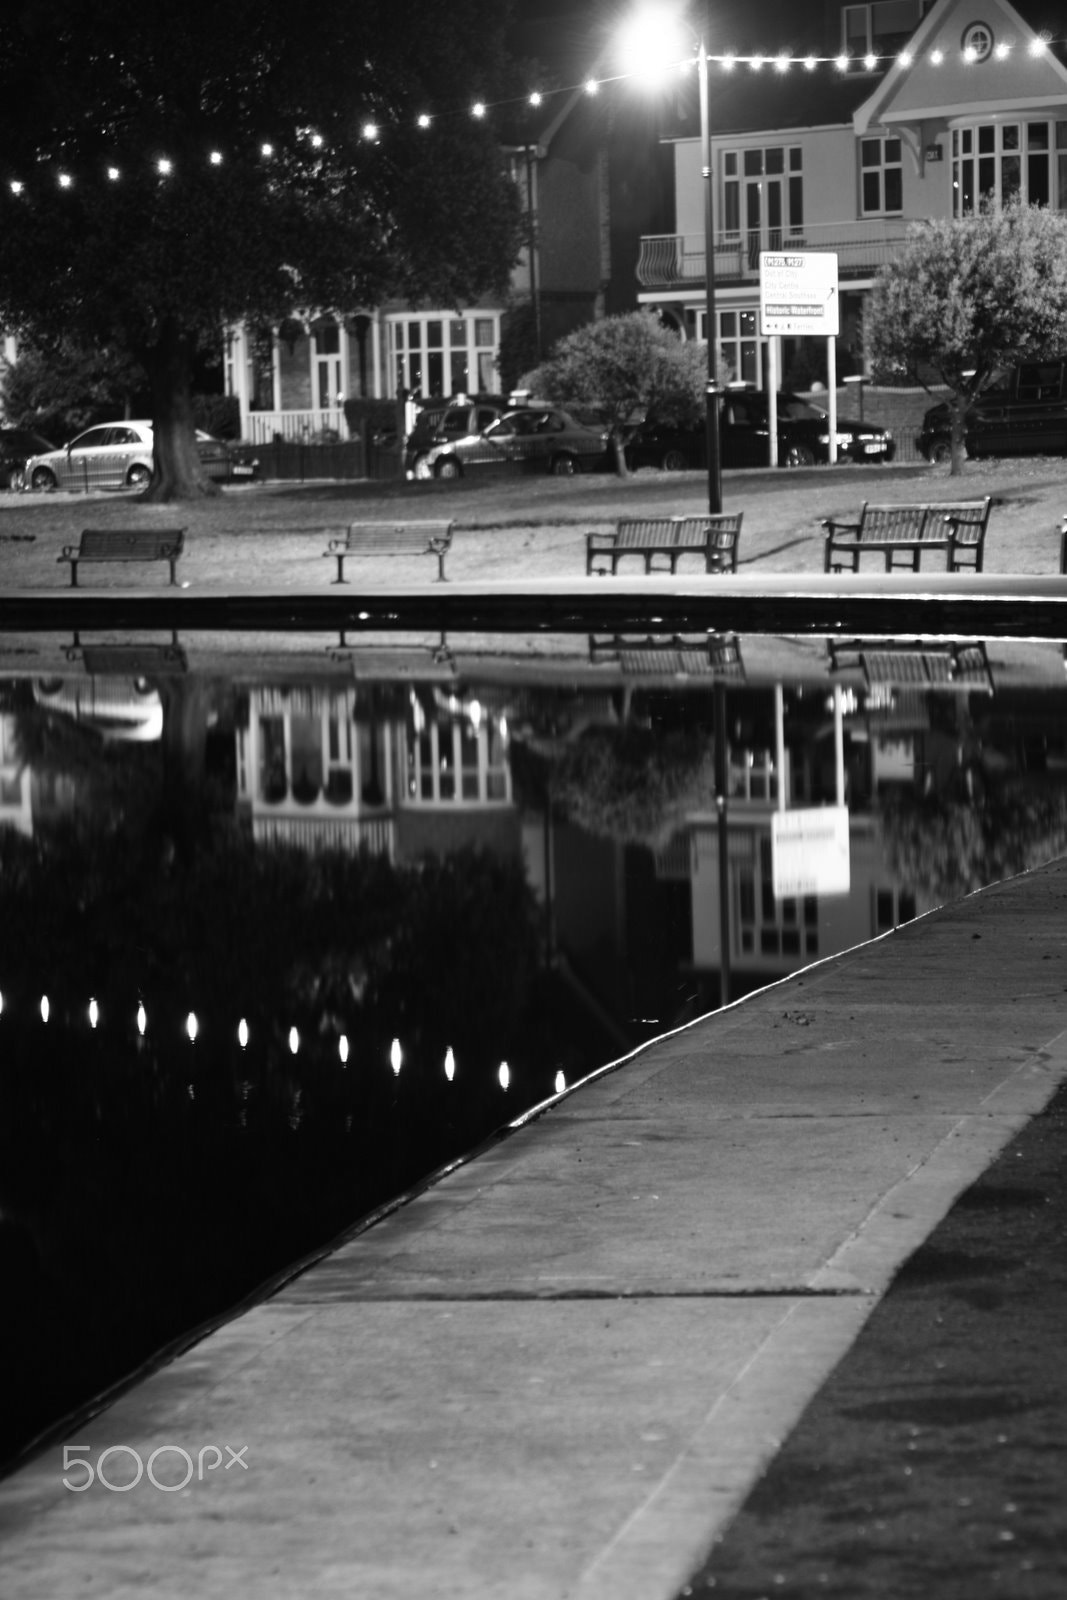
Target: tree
{"type": "Point", "coordinates": [188, 165]}
{"type": "Point", "coordinates": [626, 366]}
{"type": "Point", "coordinates": [63, 387]}
{"type": "Point", "coordinates": [966, 298]}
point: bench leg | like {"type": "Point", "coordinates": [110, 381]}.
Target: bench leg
{"type": "Point", "coordinates": [173, 574]}
{"type": "Point", "coordinates": [74, 573]}
{"type": "Point", "coordinates": [440, 566]}
{"type": "Point", "coordinates": [340, 578]}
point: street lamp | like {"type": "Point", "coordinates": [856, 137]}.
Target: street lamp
{"type": "Point", "coordinates": [711, 387]}
{"type": "Point", "coordinates": [650, 42]}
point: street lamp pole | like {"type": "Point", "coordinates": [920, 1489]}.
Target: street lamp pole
{"type": "Point", "coordinates": [711, 388]}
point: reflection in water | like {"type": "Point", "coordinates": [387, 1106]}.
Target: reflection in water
{"type": "Point", "coordinates": [319, 931]}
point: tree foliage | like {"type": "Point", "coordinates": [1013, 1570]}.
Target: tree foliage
{"type": "Point", "coordinates": [61, 387]}
{"type": "Point", "coordinates": [968, 297]}
{"type": "Point", "coordinates": [157, 262]}
{"type": "Point", "coordinates": [626, 366]}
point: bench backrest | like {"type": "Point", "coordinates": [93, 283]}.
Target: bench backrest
{"type": "Point", "coordinates": [637, 533]}
{"type": "Point", "coordinates": [120, 544]}
{"type": "Point", "coordinates": [418, 535]}
{"type": "Point", "coordinates": [892, 522]}
{"type": "Point", "coordinates": [719, 531]}
{"type": "Point", "coordinates": [969, 517]}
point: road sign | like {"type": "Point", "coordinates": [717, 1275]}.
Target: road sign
{"type": "Point", "coordinates": [798, 293]}
{"type": "Point", "coordinates": [809, 852]}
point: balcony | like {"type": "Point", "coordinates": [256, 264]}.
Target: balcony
{"type": "Point", "coordinates": [676, 261]}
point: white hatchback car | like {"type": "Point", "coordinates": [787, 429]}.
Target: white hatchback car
{"type": "Point", "coordinates": [117, 455]}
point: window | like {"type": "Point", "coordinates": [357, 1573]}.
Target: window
{"type": "Point", "coordinates": [762, 197]}
{"type": "Point", "coordinates": [442, 357]}
{"type": "Point", "coordinates": [880, 28]}
{"type": "Point", "coordinates": [996, 162]}
{"type": "Point", "coordinates": [881, 177]}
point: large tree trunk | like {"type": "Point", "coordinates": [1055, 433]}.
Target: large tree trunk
{"type": "Point", "coordinates": [176, 469]}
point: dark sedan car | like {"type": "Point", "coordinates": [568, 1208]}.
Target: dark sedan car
{"type": "Point", "coordinates": [17, 445]}
{"type": "Point", "coordinates": [1025, 413]}
{"type": "Point", "coordinates": [530, 439]}
{"type": "Point", "coordinates": [803, 436]}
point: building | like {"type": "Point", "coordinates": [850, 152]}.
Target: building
{"type": "Point", "coordinates": [293, 380]}
{"type": "Point", "coordinates": [940, 108]}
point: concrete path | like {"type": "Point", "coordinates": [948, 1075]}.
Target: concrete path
{"type": "Point", "coordinates": [555, 1374]}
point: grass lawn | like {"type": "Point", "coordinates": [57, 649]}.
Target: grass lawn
{"type": "Point", "coordinates": [532, 527]}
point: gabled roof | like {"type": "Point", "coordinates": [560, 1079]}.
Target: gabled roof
{"type": "Point", "coordinates": [956, 87]}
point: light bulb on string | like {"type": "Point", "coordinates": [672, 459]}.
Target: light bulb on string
{"type": "Point", "coordinates": [242, 1034]}
{"type": "Point", "coordinates": [342, 1049]}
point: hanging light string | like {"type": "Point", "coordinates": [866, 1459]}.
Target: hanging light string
{"type": "Point", "coordinates": [373, 130]}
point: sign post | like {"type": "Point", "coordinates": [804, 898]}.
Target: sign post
{"type": "Point", "coordinates": [798, 297]}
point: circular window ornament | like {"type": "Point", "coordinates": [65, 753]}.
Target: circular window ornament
{"type": "Point", "coordinates": [977, 41]}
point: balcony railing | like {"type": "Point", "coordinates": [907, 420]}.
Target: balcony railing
{"type": "Point", "coordinates": [675, 260]}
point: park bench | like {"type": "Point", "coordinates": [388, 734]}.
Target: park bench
{"type": "Point", "coordinates": [920, 665]}
{"type": "Point", "coordinates": [391, 539]}
{"type": "Point", "coordinates": [125, 544]}
{"type": "Point", "coordinates": [907, 531]}
{"type": "Point", "coordinates": [713, 537]}
{"type": "Point", "coordinates": [707, 655]}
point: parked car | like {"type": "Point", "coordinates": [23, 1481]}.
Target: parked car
{"type": "Point", "coordinates": [122, 709]}
{"type": "Point", "coordinates": [1025, 413]}
{"type": "Point", "coordinates": [443, 422]}
{"type": "Point", "coordinates": [528, 439]}
{"type": "Point", "coordinates": [803, 436]}
{"type": "Point", "coordinates": [17, 445]}
{"type": "Point", "coordinates": [115, 455]}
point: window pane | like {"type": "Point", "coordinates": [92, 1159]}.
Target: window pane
{"type": "Point", "coordinates": [483, 330]}
{"type": "Point", "coordinates": [871, 152]}
{"type": "Point", "coordinates": [1010, 178]}
{"type": "Point", "coordinates": [894, 189]}
{"type": "Point", "coordinates": [1009, 136]}
{"type": "Point", "coordinates": [1037, 180]}
{"type": "Point", "coordinates": [753, 163]}
{"type": "Point", "coordinates": [987, 134]}
{"type": "Point", "coordinates": [796, 202]}
{"type": "Point", "coordinates": [892, 149]}
{"type": "Point", "coordinates": [796, 159]}
{"type": "Point", "coordinates": [1037, 135]}
{"type": "Point", "coordinates": [872, 191]}
{"type": "Point", "coordinates": [729, 162]}
{"type": "Point", "coordinates": [776, 159]}
{"type": "Point", "coordinates": [435, 337]}
{"type": "Point", "coordinates": [457, 334]}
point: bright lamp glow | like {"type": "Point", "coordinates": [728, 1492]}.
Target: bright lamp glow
{"type": "Point", "coordinates": [422, 120]}
{"type": "Point", "coordinates": [342, 1049]}
{"type": "Point", "coordinates": [192, 1027]}
{"type": "Point", "coordinates": [94, 1013]}
{"type": "Point", "coordinates": [504, 1075]}
{"type": "Point", "coordinates": [650, 45]}
{"type": "Point", "coordinates": [45, 1008]}
{"type": "Point", "coordinates": [450, 1064]}
{"type": "Point", "coordinates": [396, 1058]}
{"type": "Point", "coordinates": [294, 1040]}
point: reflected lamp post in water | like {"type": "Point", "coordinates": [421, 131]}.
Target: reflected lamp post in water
{"type": "Point", "coordinates": [650, 43]}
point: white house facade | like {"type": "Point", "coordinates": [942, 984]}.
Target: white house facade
{"type": "Point", "coordinates": [942, 108]}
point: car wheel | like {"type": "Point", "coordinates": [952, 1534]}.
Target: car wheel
{"type": "Point", "coordinates": [422, 470]}
{"type": "Point", "coordinates": [43, 478]}
{"type": "Point", "coordinates": [675, 461]}
{"type": "Point", "coordinates": [564, 466]}
{"type": "Point", "coordinates": [799, 455]}
{"type": "Point", "coordinates": [138, 476]}
{"type": "Point", "coordinates": [448, 468]}
{"type": "Point", "coordinates": [940, 453]}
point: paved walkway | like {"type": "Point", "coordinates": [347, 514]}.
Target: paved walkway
{"type": "Point", "coordinates": [555, 1374]}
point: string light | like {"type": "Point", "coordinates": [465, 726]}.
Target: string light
{"type": "Point", "coordinates": [1038, 47]}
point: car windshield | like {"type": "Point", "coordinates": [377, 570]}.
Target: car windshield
{"type": "Point", "coordinates": [798, 410]}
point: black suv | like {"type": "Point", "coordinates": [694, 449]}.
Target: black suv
{"type": "Point", "coordinates": [17, 445]}
{"type": "Point", "coordinates": [1025, 413]}
{"type": "Point", "coordinates": [803, 436]}
{"type": "Point", "coordinates": [444, 421]}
